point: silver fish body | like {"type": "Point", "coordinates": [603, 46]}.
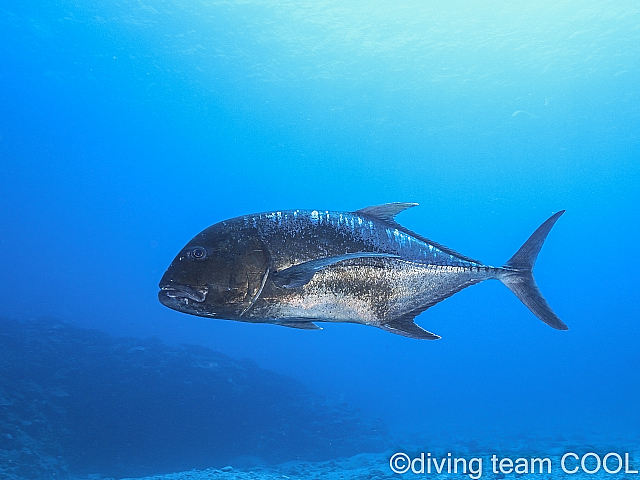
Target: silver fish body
{"type": "Point", "coordinates": [297, 267]}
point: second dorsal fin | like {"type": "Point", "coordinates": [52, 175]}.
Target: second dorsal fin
{"type": "Point", "coordinates": [386, 212]}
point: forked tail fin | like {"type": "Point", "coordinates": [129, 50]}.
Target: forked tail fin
{"type": "Point", "coordinates": [518, 275]}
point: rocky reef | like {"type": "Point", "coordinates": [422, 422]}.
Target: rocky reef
{"type": "Point", "coordinates": [76, 401]}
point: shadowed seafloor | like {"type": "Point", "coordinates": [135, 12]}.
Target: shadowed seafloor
{"type": "Point", "coordinates": [75, 401]}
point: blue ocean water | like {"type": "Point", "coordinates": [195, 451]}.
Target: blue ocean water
{"type": "Point", "coordinates": [128, 127]}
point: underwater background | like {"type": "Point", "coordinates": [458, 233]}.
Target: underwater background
{"type": "Point", "coordinates": [126, 127]}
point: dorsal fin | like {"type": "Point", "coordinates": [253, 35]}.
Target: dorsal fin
{"type": "Point", "coordinates": [386, 212]}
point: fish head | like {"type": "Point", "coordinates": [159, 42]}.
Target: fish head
{"type": "Point", "coordinates": [219, 273]}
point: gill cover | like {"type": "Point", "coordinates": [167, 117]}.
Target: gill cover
{"type": "Point", "coordinates": [220, 273]}
{"type": "Point", "coordinates": [241, 265]}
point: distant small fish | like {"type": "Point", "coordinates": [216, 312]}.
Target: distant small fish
{"type": "Point", "coordinates": [518, 112]}
{"type": "Point", "coordinates": [297, 267]}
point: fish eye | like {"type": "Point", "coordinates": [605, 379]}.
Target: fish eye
{"type": "Point", "coordinates": [198, 253]}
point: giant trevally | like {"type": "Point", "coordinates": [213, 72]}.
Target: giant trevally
{"type": "Point", "coordinates": [297, 267]}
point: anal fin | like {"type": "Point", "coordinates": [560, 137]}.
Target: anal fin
{"type": "Point", "coordinates": [406, 327]}
{"type": "Point", "coordinates": [301, 323]}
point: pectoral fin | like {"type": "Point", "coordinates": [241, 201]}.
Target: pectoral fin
{"type": "Point", "coordinates": [301, 274]}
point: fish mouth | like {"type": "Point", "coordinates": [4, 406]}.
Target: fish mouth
{"type": "Point", "coordinates": [197, 294]}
